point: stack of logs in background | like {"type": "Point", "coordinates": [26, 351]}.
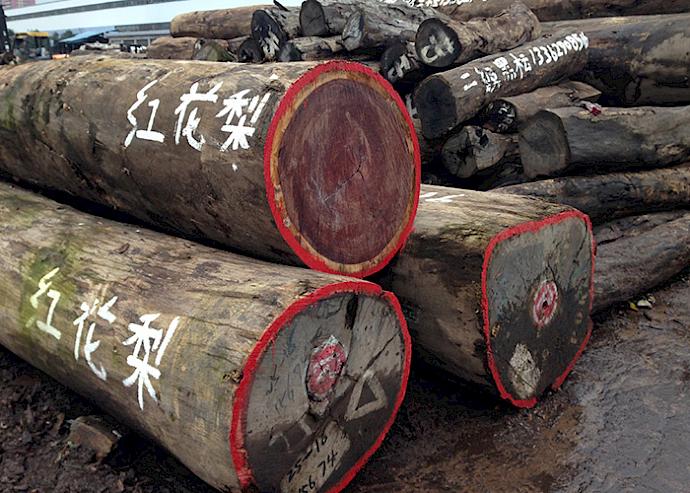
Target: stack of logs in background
{"type": "Point", "coordinates": [466, 159]}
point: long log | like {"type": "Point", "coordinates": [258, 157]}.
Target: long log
{"type": "Point", "coordinates": [445, 42]}
{"type": "Point", "coordinates": [311, 48]}
{"type": "Point", "coordinates": [497, 289]}
{"type": "Point", "coordinates": [637, 263]}
{"type": "Point", "coordinates": [639, 60]}
{"type": "Point", "coordinates": [270, 160]}
{"type": "Point", "coordinates": [168, 48]}
{"type": "Point", "coordinates": [448, 99]}
{"type": "Point", "coordinates": [272, 27]}
{"type": "Point", "coordinates": [606, 197]}
{"type": "Point", "coordinates": [608, 139]}
{"type": "Point", "coordinates": [508, 115]}
{"type": "Point", "coordinates": [474, 149]}
{"type": "Point", "coordinates": [219, 24]}
{"type": "Point", "coordinates": [632, 226]}
{"type": "Point", "coordinates": [191, 346]}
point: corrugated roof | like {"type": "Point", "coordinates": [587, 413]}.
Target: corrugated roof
{"type": "Point", "coordinates": [83, 36]}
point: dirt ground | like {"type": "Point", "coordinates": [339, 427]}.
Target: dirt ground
{"type": "Point", "coordinates": [620, 424]}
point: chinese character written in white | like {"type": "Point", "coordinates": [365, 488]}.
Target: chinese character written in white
{"type": "Point", "coordinates": [239, 106]}
{"type": "Point", "coordinates": [44, 285]}
{"type": "Point", "coordinates": [148, 340]}
{"type": "Point", "coordinates": [149, 133]}
{"type": "Point", "coordinates": [188, 129]}
{"type": "Point", "coordinates": [90, 345]}
{"type": "Point", "coordinates": [507, 71]}
{"type": "Point", "coordinates": [489, 78]}
{"type": "Point", "coordinates": [521, 64]}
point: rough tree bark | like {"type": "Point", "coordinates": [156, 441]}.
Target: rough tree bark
{"type": "Point", "coordinates": [191, 345]}
{"type": "Point", "coordinates": [497, 289]}
{"type": "Point", "coordinates": [311, 48]}
{"type": "Point", "coordinates": [637, 263]}
{"type": "Point", "coordinates": [220, 24]}
{"type": "Point", "coordinates": [168, 48]}
{"type": "Point", "coordinates": [608, 139]}
{"type": "Point", "coordinates": [638, 60]}
{"type": "Point", "coordinates": [605, 197]}
{"type": "Point", "coordinates": [447, 99]}
{"type": "Point", "coordinates": [213, 50]}
{"type": "Point", "coordinates": [272, 27]}
{"type": "Point", "coordinates": [443, 42]}
{"type": "Point", "coordinates": [474, 149]}
{"type": "Point", "coordinates": [508, 115]}
{"type": "Point", "coordinates": [267, 160]}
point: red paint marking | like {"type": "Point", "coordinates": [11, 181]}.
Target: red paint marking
{"type": "Point", "coordinates": [324, 368]}
{"type": "Point", "coordinates": [545, 303]}
{"type": "Point", "coordinates": [278, 210]}
{"type": "Point", "coordinates": [239, 410]}
{"type": "Point", "coordinates": [530, 227]}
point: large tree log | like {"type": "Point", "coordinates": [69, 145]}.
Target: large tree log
{"type": "Point", "coordinates": [443, 42]}
{"type": "Point", "coordinates": [474, 149]}
{"type": "Point", "coordinates": [638, 262]}
{"type": "Point", "coordinates": [632, 226]}
{"type": "Point", "coordinates": [447, 99]}
{"type": "Point", "coordinates": [220, 24]}
{"type": "Point", "coordinates": [551, 10]}
{"type": "Point", "coordinates": [508, 115]}
{"type": "Point", "coordinates": [608, 139]}
{"type": "Point", "coordinates": [168, 48]}
{"type": "Point", "coordinates": [268, 160]}
{"type": "Point", "coordinates": [639, 60]}
{"type": "Point", "coordinates": [191, 346]}
{"type": "Point", "coordinates": [273, 27]}
{"type": "Point", "coordinates": [497, 289]}
{"type": "Point", "coordinates": [605, 197]}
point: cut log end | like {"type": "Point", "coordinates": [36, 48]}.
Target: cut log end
{"type": "Point", "coordinates": [544, 146]}
{"type": "Point", "coordinates": [268, 33]}
{"type": "Point", "coordinates": [436, 107]}
{"type": "Point", "coordinates": [250, 51]}
{"type": "Point", "coordinates": [537, 289]}
{"type": "Point", "coordinates": [343, 169]}
{"type": "Point", "coordinates": [321, 390]}
{"type": "Point", "coordinates": [312, 19]}
{"type": "Point", "coordinates": [353, 31]}
{"type": "Point", "coordinates": [437, 45]}
{"type": "Point", "coordinates": [395, 62]}
{"type": "Point", "coordinates": [500, 116]}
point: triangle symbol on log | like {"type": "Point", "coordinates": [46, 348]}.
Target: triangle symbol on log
{"type": "Point", "coordinates": [354, 410]}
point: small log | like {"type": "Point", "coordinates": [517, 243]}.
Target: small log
{"type": "Point", "coordinates": [639, 60]}
{"type": "Point", "coordinates": [168, 48]}
{"type": "Point", "coordinates": [632, 226]}
{"type": "Point", "coordinates": [399, 64]}
{"type": "Point", "coordinates": [250, 51]}
{"type": "Point", "coordinates": [325, 18]}
{"type": "Point", "coordinates": [442, 43]}
{"type": "Point", "coordinates": [448, 99]}
{"type": "Point", "coordinates": [497, 289]}
{"type": "Point", "coordinates": [217, 24]}
{"type": "Point", "coordinates": [608, 139]}
{"type": "Point", "coordinates": [638, 262]}
{"type": "Point", "coordinates": [270, 160]}
{"type": "Point", "coordinates": [606, 197]}
{"type": "Point", "coordinates": [508, 115]}
{"type": "Point", "coordinates": [212, 50]}
{"type": "Point", "coordinates": [375, 25]}
{"type": "Point", "coordinates": [273, 27]}
{"type": "Point", "coordinates": [474, 149]}
{"type": "Point", "coordinates": [192, 346]}
{"type": "Point", "coordinates": [311, 48]}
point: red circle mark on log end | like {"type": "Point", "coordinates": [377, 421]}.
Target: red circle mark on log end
{"type": "Point", "coordinates": [324, 368]}
{"type": "Point", "coordinates": [236, 436]}
{"type": "Point", "coordinates": [367, 238]}
{"type": "Point", "coordinates": [531, 227]}
{"type": "Point", "coordinates": [545, 303]}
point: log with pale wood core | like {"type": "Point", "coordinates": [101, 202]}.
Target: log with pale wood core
{"type": "Point", "coordinates": [220, 24]}
{"type": "Point", "coordinates": [304, 162]}
{"type": "Point", "coordinates": [637, 61]}
{"type": "Point", "coordinates": [508, 115]}
{"type": "Point", "coordinates": [473, 150]}
{"type": "Point", "coordinates": [497, 288]}
{"type": "Point", "coordinates": [168, 48]}
{"type": "Point", "coordinates": [273, 27]}
{"type": "Point", "coordinates": [607, 139]}
{"type": "Point", "coordinates": [605, 197]}
{"type": "Point", "coordinates": [447, 99]}
{"type": "Point", "coordinates": [311, 48]}
{"type": "Point", "coordinates": [191, 345]}
{"type": "Point", "coordinates": [649, 252]}
{"type": "Point", "coordinates": [325, 18]}
{"type": "Point", "coordinates": [443, 42]}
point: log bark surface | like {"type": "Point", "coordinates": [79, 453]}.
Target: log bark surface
{"type": "Point", "coordinates": [169, 48]}
{"type": "Point", "coordinates": [213, 50]}
{"type": "Point", "coordinates": [474, 150]}
{"type": "Point", "coordinates": [183, 343]}
{"type": "Point", "coordinates": [442, 43]}
{"type": "Point", "coordinates": [257, 148]}
{"type": "Point", "coordinates": [606, 197]}
{"type": "Point", "coordinates": [311, 48]}
{"type": "Point", "coordinates": [447, 99]}
{"type": "Point", "coordinates": [611, 139]}
{"type": "Point", "coordinates": [220, 24]}
{"type": "Point", "coordinates": [496, 289]}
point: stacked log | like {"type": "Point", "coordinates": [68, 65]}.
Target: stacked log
{"type": "Point", "coordinates": [191, 346]}
{"type": "Point", "coordinates": [219, 24]}
{"type": "Point", "coordinates": [168, 48]}
{"type": "Point", "coordinates": [269, 160]}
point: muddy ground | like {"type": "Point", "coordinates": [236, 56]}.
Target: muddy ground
{"type": "Point", "coordinates": [620, 424]}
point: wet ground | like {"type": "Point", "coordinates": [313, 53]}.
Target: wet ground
{"type": "Point", "coordinates": [620, 424]}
